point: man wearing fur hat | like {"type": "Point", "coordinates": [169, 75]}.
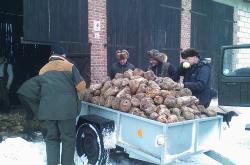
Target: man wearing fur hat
{"type": "Point", "coordinates": [196, 72]}
{"type": "Point", "coordinates": [122, 65]}
{"type": "Point", "coordinates": [160, 66]}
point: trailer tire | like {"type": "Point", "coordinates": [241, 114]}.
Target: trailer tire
{"type": "Point", "coordinates": [89, 142]}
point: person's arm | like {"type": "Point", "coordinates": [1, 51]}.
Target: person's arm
{"type": "Point", "coordinates": [172, 72]}
{"type": "Point", "coordinates": [181, 70]}
{"type": "Point", "coordinates": [10, 76]}
{"type": "Point", "coordinates": [79, 83]}
{"type": "Point", "coordinates": [201, 80]}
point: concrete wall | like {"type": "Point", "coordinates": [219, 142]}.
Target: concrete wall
{"type": "Point", "coordinates": [241, 58]}
{"type": "Point", "coordinates": [242, 20]}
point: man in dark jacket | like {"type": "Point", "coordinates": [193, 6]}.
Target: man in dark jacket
{"type": "Point", "coordinates": [122, 65]}
{"type": "Point", "coordinates": [160, 66]}
{"type": "Point", "coordinates": [196, 72]}
{"type": "Point", "coordinates": [60, 83]}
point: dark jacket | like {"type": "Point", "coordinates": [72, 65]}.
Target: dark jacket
{"type": "Point", "coordinates": [118, 68]}
{"type": "Point", "coordinates": [165, 69]}
{"type": "Point", "coordinates": [60, 81]}
{"type": "Point", "coordinates": [197, 79]}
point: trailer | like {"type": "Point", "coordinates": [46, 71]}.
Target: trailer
{"type": "Point", "coordinates": [100, 129]}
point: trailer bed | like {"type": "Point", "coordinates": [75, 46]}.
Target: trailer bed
{"type": "Point", "coordinates": [156, 142]}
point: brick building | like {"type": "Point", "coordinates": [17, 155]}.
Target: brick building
{"type": "Point", "coordinates": [240, 22]}
{"type": "Point", "coordinates": [237, 26]}
{"type": "Point", "coordinates": [92, 30]}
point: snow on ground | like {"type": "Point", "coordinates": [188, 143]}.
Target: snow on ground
{"type": "Point", "coordinates": [235, 144]}
{"type": "Point", "coordinates": [15, 151]}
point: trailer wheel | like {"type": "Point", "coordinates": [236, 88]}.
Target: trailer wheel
{"type": "Point", "coordinates": [89, 142]}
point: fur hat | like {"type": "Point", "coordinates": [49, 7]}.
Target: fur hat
{"type": "Point", "coordinates": [155, 54]}
{"type": "Point", "coordinates": [190, 52]}
{"type": "Point", "coordinates": [58, 50]}
{"type": "Point", "coordinates": [124, 54]}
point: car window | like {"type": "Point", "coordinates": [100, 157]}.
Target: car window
{"type": "Point", "coordinates": [236, 62]}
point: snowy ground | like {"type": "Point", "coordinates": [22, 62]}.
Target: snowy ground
{"type": "Point", "coordinates": [235, 144]}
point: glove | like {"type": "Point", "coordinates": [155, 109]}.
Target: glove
{"type": "Point", "coordinates": [186, 65]}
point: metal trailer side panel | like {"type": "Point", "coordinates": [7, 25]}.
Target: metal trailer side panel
{"type": "Point", "coordinates": [138, 136]}
{"type": "Point", "coordinates": [133, 132]}
{"type": "Point", "coordinates": [192, 137]}
{"type": "Point", "coordinates": [208, 134]}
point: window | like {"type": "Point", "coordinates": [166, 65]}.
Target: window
{"type": "Point", "coordinates": [236, 62]}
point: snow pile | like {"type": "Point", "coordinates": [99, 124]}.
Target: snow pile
{"type": "Point", "coordinates": [15, 151]}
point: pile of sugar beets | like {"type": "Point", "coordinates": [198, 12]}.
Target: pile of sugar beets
{"type": "Point", "coordinates": [143, 94]}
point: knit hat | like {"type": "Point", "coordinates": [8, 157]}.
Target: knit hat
{"type": "Point", "coordinates": [58, 50]}
{"type": "Point", "coordinates": [155, 54]}
{"type": "Point", "coordinates": [190, 52]}
{"type": "Point", "coordinates": [122, 54]}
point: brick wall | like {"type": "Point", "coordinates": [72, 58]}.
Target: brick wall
{"type": "Point", "coordinates": [186, 24]}
{"type": "Point", "coordinates": [242, 34]}
{"type": "Point", "coordinates": [98, 38]}
{"type": "Point", "coordinates": [242, 29]}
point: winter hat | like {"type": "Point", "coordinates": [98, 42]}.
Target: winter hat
{"type": "Point", "coordinates": [58, 50]}
{"type": "Point", "coordinates": [155, 54]}
{"type": "Point", "coordinates": [190, 52]}
{"type": "Point", "coordinates": [124, 54]}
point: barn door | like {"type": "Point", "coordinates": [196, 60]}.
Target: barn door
{"type": "Point", "coordinates": [63, 21]}
{"type": "Point", "coordinates": [122, 28]}
{"type": "Point", "coordinates": [211, 28]}
{"type": "Point", "coordinates": [141, 25]}
{"type": "Point", "coordinates": [160, 28]}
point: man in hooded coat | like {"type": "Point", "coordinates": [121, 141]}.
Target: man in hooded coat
{"type": "Point", "coordinates": [57, 91]}
{"type": "Point", "coordinates": [160, 66]}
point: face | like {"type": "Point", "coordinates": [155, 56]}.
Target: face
{"type": "Point", "coordinates": [153, 62]}
{"type": "Point", "coordinates": [122, 61]}
{"type": "Point", "coordinates": [191, 60]}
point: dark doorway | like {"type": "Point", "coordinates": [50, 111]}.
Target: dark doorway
{"type": "Point", "coordinates": [63, 21]}
{"type": "Point", "coordinates": [141, 25]}
{"type": "Point", "coordinates": [212, 27]}
{"type": "Point", "coordinates": [26, 59]}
